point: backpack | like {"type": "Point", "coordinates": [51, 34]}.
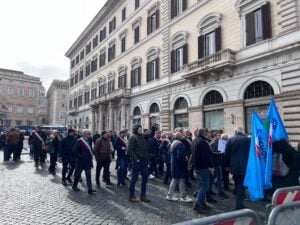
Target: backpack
{"type": "Point", "coordinates": [279, 167]}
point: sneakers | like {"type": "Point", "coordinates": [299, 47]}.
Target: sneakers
{"type": "Point", "coordinates": [91, 192]}
{"type": "Point", "coordinates": [201, 208]}
{"type": "Point", "coordinates": [171, 198]}
{"type": "Point", "coordinates": [145, 199]}
{"type": "Point", "coordinates": [75, 188]}
{"type": "Point", "coordinates": [64, 182]}
{"type": "Point", "coordinates": [151, 177]}
{"type": "Point", "coordinates": [133, 199]}
{"type": "Point", "coordinates": [186, 199]}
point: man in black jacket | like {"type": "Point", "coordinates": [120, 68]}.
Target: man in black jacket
{"type": "Point", "coordinates": [38, 139]}
{"type": "Point", "coordinates": [67, 155]}
{"type": "Point", "coordinates": [202, 162]}
{"type": "Point", "coordinates": [236, 159]}
{"type": "Point", "coordinates": [84, 157]}
{"type": "Point", "coordinates": [139, 155]}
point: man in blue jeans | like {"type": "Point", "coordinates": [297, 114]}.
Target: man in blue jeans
{"type": "Point", "coordinates": [139, 155]}
{"type": "Point", "coordinates": [202, 161]}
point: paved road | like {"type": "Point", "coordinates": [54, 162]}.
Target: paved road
{"type": "Point", "coordinates": [33, 196]}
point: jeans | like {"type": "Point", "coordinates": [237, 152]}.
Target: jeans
{"type": "Point", "coordinates": [153, 166]}
{"type": "Point", "coordinates": [38, 154]}
{"type": "Point", "coordinates": [65, 163]}
{"type": "Point", "coordinates": [240, 191]}
{"type": "Point", "coordinates": [53, 160]}
{"type": "Point", "coordinates": [174, 183]}
{"type": "Point", "coordinates": [122, 171]}
{"type": "Point", "coordinates": [79, 168]}
{"type": "Point", "coordinates": [219, 175]}
{"type": "Point", "coordinates": [105, 164]}
{"type": "Point", "coordinates": [204, 179]}
{"type": "Point", "coordinates": [137, 168]}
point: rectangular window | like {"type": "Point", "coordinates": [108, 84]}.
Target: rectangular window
{"type": "Point", "coordinates": [87, 97]}
{"type": "Point", "coordinates": [10, 90]}
{"type": "Point", "coordinates": [111, 52]}
{"type": "Point", "coordinates": [81, 55]}
{"type": "Point", "coordinates": [123, 44]}
{"type": "Point", "coordinates": [76, 78]}
{"type": "Point", "coordinates": [81, 74]}
{"type": "Point", "coordinates": [70, 104]}
{"type": "Point", "coordinates": [63, 96]}
{"type": "Point", "coordinates": [19, 109]}
{"type": "Point", "coordinates": [77, 59]}
{"type": "Point", "coordinates": [177, 7]}
{"type": "Point", "coordinates": [103, 34]}
{"type": "Point", "coordinates": [122, 81]}
{"type": "Point", "coordinates": [136, 77]}
{"type": "Point", "coordinates": [153, 70]}
{"type": "Point", "coordinates": [88, 48]}
{"type": "Point", "coordinates": [181, 121]}
{"type": "Point", "coordinates": [123, 14]}
{"type": "Point", "coordinates": [153, 22]}
{"type": "Point", "coordinates": [21, 92]}
{"type": "Point", "coordinates": [112, 25]}
{"type": "Point", "coordinates": [261, 110]}
{"type": "Point", "coordinates": [31, 93]}
{"type": "Point", "coordinates": [80, 100]}
{"type": "Point", "coordinates": [210, 45]}
{"type": "Point", "coordinates": [258, 25]}
{"type": "Point", "coordinates": [87, 69]}
{"type": "Point", "coordinates": [72, 81]}
{"type": "Point", "coordinates": [136, 34]}
{"type": "Point", "coordinates": [75, 103]}
{"type": "Point", "coordinates": [101, 90]}
{"type": "Point", "coordinates": [30, 110]}
{"type": "Point", "coordinates": [102, 59]}
{"type": "Point", "coordinates": [93, 93]}
{"type": "Point", "coordinates": [95, 41]}
{"type": "Point", "coordinates": [9, 106]}
{"type": "Point", "coordinates": [111, 86]}
{"type": "Point", "coordinates": [18, 122]}
{"type": "Point", "coordinates": [72, 63]}
{"type": "Point", "coordinates": [214, 119]}
{"type": "Point", "coordinates": [137, 4]}
{"type": "Point", "coordinates": [94, 64]}
{"type": "Point", "coordinates": [178, 59]}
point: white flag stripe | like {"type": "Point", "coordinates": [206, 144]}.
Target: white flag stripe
{"type": "Point", "coordinates": [243, 221]}
{"type": "Point", "coordinates": [290, 197]}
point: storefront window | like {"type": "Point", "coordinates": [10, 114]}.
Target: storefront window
{"type": "Point", "coordinates": [214, 119]}
{"type": "Point", "coordinates": [181, 116]}
{"type": "Point", "coordinates": [261, 111]}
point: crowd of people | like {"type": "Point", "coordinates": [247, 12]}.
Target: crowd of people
{"type": "Point", "coordinates": [177, 157]}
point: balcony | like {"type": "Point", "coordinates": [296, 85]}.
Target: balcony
{"type": "Point", "coordinates": [220, 62]}
{"type": "Point", "coordinates": [118, 93]}
{"type": "Point", "coordinates": [73, 111]}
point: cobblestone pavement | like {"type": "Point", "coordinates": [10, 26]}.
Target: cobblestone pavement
{"type": "Point", "coordinates": [33, 196]}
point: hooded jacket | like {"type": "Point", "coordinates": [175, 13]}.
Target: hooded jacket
{"type": "Point", "coordinates": [138, 145]}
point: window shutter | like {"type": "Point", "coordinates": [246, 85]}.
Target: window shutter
{"type": "Point", "coordinates": [157, 68]}
{"type": "Point", "coordinates": [266, 21]}
{"type": "Point", "coordinates": [119, 82]}
{"type": "Point", "coordinates": [125, 80]}
{"type": "Point", "coordinates": [250, 29]}
{"type": "Point", "coordinates": [139, 76]}
{"type": "Point", "coordinates": [218, 40]}
{"type": "Point", "coordinates": [173, 57]}
{"type": "Point", "coordinates": [200, 46]}
{"type": "Point", "coordinates": [184, 5]}
{"type": "Point", "coordinates": [173, 5]}
{"type": "Point", "coordinates": [148, 24]}
{"type": "Point", "coordinates": [185, 54]}
{"type": "Point", "coordinates": [157, 18]}
{"type": "Point", "coordinates": [132, 78]}
{"type": "Point", "coordinates": [148, 71]}
{"type": "Point", "coordinates": [113, 85]}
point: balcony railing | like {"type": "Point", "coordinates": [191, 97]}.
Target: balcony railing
{"type": "Point", "coordinates": [212, 63]}
{"type": "Point", "coordinates": [73, 110]}
{"type": "Point", "coordinates": [118, 93]}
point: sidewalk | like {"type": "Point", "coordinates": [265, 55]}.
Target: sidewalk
{"type": "Point", "coordinates": [33, 196]}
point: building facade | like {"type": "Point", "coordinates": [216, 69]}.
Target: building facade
{"type": "Point", "coordinates": [57, 98]}
{"type": "Point", "coordinates": [187, 63]}
{"type": "Point", "coordinates": [22, 97]}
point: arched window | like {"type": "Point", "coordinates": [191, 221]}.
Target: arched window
{"type": "Point", "coordinates": [213, 118]}
{"type": "Point", "coordinates": [137, 111]}
{"type": "Point", "coordinates": [181, 103]}
{"type": "Point", "coordinates": [212, 97]}
{"type": "Point", "coordinates": [137, 116]}
{"type": "Point", "coordinates": [258, 89]}
{"type": "Point", "coordinates": [154, 108]}
{"type": "Point", "coordinates": [181, 116]}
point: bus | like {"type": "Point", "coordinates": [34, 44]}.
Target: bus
{"type": "Point", "coordinates": [49, 128]}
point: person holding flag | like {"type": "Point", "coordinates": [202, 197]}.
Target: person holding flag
{"type": "Point", "coordinates": [256, 167]}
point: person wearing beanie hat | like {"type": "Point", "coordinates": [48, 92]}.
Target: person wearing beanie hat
{"type": "Point", "coordinates": [138, 152]}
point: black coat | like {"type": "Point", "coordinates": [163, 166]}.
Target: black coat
{"type": "Point", "coordinates": [83, 155]}
{"type": "Point", "coordinates": [153, 146]}
{"type": "Point", "coordinates": [201, 154]}
{"type": "Point", "coordinates": [118, 146]}
{"type": "Point", "coordinates": [35, 141]}
{"type": "Point", "coordinates": [66, 148]}
{"type": "Point", "coordinates": [236, 154]}
{"type": "Point", "coordinates": [164, 148]}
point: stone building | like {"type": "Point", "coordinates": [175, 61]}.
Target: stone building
{"type": "Point", "coordinates": [57, 98]}
{"type": "Point", "coordinates": [187, 63]}
{"type": "Point", "coordinates": [22, 99]}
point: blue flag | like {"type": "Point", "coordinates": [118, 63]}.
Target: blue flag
{"type": "Point", "coordinates": [276, 131]}
{"type": "Point", "coordinates": [255, 172]}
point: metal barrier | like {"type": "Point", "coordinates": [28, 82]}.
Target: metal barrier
{"type": "Point", "coordinates": [283, 196]}
{"type": "Point", "coordinates": [239, 217]}
{"type": "Point", "coordinates": [285, 214]}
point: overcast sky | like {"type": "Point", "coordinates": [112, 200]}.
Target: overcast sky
{"type": "Point", "coordinates": [35, 34]}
